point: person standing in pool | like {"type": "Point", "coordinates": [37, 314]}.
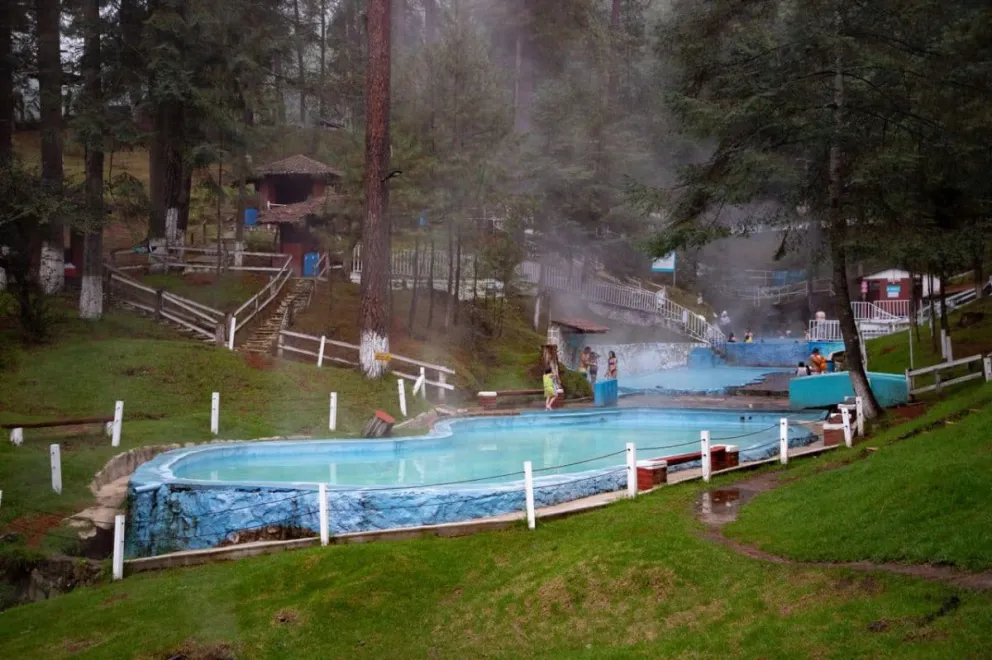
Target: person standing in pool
{"type": "Point", "coordinates": [611, 366]}
{"type": "Point", "coordinates": [593, 367]}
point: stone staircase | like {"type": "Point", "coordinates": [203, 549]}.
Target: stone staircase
{"type": "Point", "coordinates": [264, 338]}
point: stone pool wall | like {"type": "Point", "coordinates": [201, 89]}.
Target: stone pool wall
{"type": "Point", "coordinates": [634, 359]}
{"type": "Point", "coordinates": [170, 517]}
{"type": "Point", "coordinates": [770, 353]}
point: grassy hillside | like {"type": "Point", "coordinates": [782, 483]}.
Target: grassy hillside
{"type": "Point", "coordinates": [637, 579]}
{"type": "Point", "coordinates": [921, 499]}
{"type": "Point", "coordinates": [165, 384]}
{"type": "Point", "coordinates": [890, 354]}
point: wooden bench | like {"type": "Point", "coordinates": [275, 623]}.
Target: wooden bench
{"type": "Point", "coordinates": [489, 400]}
{"type": "Point", "coordinates": [17, 428]}
{"type": "Point", "coordinates": [721, 457]}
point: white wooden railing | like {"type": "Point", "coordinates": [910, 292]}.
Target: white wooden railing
{"type": "Point", "coordinates": [261, 300]}
{"type": "Point", "coordinates": [897, 308]}
{"type": "Point", "coordinates": [311, 346]}
{"type": "Point", "coordinates": [873, 311]}
{"type": "Point", "coordinates": [594, 290]}
{"type": "Point", "coordinates": [937, 369]}
{"type": "Point", "coordinates": [201, 319]}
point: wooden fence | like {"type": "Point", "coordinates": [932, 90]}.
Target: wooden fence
{"type": "Point", "coordinates": [261, 300]}
{"type": "Point", "coordinates": [937, 369]}
{"type": "Point", "coordinates": [196, 317]}
{"type": "Point", "coordinates": [322, 350]}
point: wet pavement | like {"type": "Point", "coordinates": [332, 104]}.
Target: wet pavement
{"type": "Point", "coordinates": [720, 506]}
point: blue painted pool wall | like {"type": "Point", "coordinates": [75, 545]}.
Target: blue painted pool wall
{"type": "Point", "coordinates": [175, 517]}
{"type": "Point", "coordinates": [605, 393]}
{"type": "Point", "coordinates": [770, 353]}
{"type": "Point", "coordinates": [830, 389]}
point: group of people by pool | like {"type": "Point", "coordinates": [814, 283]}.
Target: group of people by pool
{"type": "Point", "coordinates": [817, 364]}
{"type": "Point", "coordinates": [588, 367]}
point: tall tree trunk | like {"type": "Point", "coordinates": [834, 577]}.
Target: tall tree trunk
{"type": "Point", "coordinates": [612, 74]}
{"type": "Point", "coordinates": [838, 254]}
{"type": "Point", "coordinates": [412, 316]}
{"type": "Point", "coordinates": [51, 271]}
{"type": "Point", "coordinates": [430, 286]}
{"type": "Point", "coordinates": [944, 324]}
{"type": "Point", "coordinates": [301, 78]}
{"type": "Point", "coordinates": [279, 89]}
{"type": "Point", "coordinates": [321, 106]}
{"type": "Point", "coordinates": [449, 312]}
{"type": "Point", "coordinates": [6, 82]}
{"type": "Point", "coordinates": [458, 277]}
{"type": "Point", "coordinates": [375, 234]}
{"type": "Point", "coordinates": [978, 268]}
{"type": "Point", "coordinates": [220, 228]}
{"type": "Point", "coordinates": [91, 292]}
{"type": "Point", "coordinates": [933, 318]}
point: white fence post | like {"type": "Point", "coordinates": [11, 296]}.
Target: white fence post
{"type": "Point", "coordinates": [56, 455]}
{"type": "Point", "coordinates": [115, 438]}
{"type": "Point", "coordinates": [230, 334]}
{"type": "Point", "coordinates": [215, 413]}
{"type": "Point", "coordinates": [783, 441]}
{"type": "Point", "coordinates": [987, 364]}
{"type": "Point", "coordinates": [859, 412]}
{"type": "Point", "coordinates": [320, 354]}
{"type": "Point", "coordinates": [529, 493]}
{"type": "Point", "coordinates": [949, 353]}
{"type": "Point", "coordinates": [332, 423]}
{"type": "Point", "coordinates": [324, 530]}
{"type": "Point", "coordinates": [441, 378]}
{"type": "Point", "coordinates": [631, 470]}
{"type": "Point", "coordinates": [401, 388]}
{"type": "Point", "coordinates": [704, 442]}
{"type": "Point", "coordinates": [846, 416]}
{"type": "Point", "coordinates": [423, 383]}
{"type": "Point", "coordinates": [17, 437]}
{"type": "Point", "coordinates": [943, 344]}
{"type": "Point", "coordinates": [118, 547]}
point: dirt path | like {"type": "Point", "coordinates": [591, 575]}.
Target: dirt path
{"type": "Point", "coordinates": [720, 506]}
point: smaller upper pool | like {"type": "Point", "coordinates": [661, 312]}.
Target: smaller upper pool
{"type": "Point", "coordinates": [686, 380]}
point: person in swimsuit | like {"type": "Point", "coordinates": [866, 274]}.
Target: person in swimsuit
{"type": "Point", "coordinates": [593, 367]}
{"type": "Point", "coordinates": [611, 366]}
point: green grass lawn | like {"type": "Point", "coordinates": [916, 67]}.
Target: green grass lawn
{"type": "Point", "coordinates": [166, 386]}
{"type": "Point", "coordinates": [634, 580]}
{"type": "Point", "coordinates": [921, 499]}
{"type": "Point", "coordinates": [232, 291]}
{"type": "Point", "coordinates": [890, 354]}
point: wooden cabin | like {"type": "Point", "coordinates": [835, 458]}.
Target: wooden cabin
{"type": "Point", "coordinates": [295, 194]}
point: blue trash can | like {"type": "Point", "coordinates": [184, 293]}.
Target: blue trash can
{"type": "Point", "coordinates": [310, 264]}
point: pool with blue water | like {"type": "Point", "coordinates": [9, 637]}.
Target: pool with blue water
{"type": "Point", "coordinates": [466, 468]}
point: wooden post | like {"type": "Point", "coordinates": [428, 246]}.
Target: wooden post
{"type": "Point", "coordinates": [704, 443]}
{"type": "Point", "coordinates": [56, 458]}
{"type": "Point", "coordinates": [333, 418]}
{"type": "Point", "coordinates": [631, 470]}
{"type": "Point", "coordinates": [219, 334]}
{"type": "Point", "coordinates": [320, 353]}
{"type": "Point", "coordinates": [158, 305]}
{"type": "Point", "coordinates": [322, 504]}
{"type": "Point", "coordinates": [845, 415]}
{"type": "Point", "coordinates": [232, 324]}
{"type": "Point", "coordinates": [783, 440]}
{"type": "Point", "coordinates": [215, 413]}
{"type": "Point", "coordinates": [859, 411]}
{"type": "Point", "coordinates": [279, 346]}
{"type": "Point", "coordinates": [443, 379]}
{"type": "Point", "coordinates": [987, 367]}
{"type": "Point", "coordinates": [115, 440]}
{"type": "Point", "coordinates": [401, 388]}
{"type": "Point", "coordinates": [529, 494]}
{"type": "Point", "coordinates": [118, 562]}
{"type": "Point", "coordinates": [943, 344]}
{"type": "Point", "coordinates": [423, 383]}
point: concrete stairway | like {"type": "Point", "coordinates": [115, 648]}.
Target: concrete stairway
{"type": "Point", "coordinates": [264, 338]}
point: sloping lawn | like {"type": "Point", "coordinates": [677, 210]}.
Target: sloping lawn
{"type": "Point", "coordinates": [922, 499]}
{"type": "Point", "coordinates": [166, 387]}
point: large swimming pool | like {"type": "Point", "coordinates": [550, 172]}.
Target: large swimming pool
{"type": "Point", "coordinates": [466, 468]}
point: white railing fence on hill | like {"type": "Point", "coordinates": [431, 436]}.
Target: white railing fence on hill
{"type": "Point", "coordinates": [672, 314]}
